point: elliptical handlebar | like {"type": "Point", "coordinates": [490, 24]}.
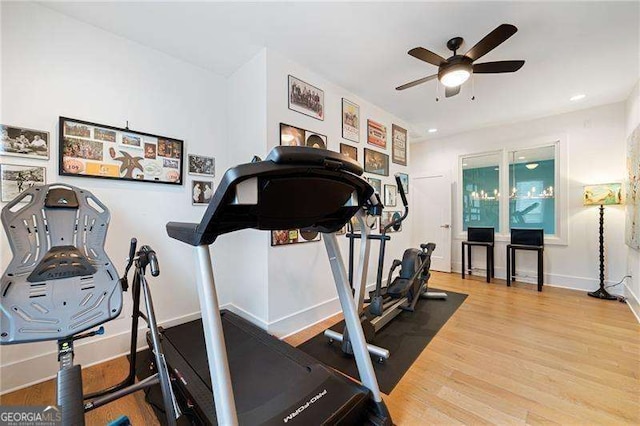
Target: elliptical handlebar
{"type": "Point", "coordinates": [405, 203]}
{"type": "Point", "coordinates": [402, 194]}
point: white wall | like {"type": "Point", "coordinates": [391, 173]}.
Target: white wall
{"type": "Point", "coordinates": [55, 66]}
{"type": "Point", "coordinates": [247, 124]}
{"type": "Point", "coordinates": [595, 152]}
{"type": "Point", "coordinates": [632, 289]}
{"type": "Point", "coordinates": [301, 287]}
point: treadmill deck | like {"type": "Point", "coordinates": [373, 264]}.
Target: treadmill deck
{"type": "Point", "coordinates": [273, 382]}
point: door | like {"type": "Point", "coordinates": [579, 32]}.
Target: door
{"type": "Point", "coordinates": [430, 197]}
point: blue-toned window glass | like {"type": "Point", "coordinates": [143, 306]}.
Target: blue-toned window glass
{"type": "Point", "coordinates": [481, 191]}
{"type": "Point", "coordinates": [532, 194]}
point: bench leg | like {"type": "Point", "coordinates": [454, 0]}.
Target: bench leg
{"type": "Point", "coordinates": [493, 262]}
{"type": "Point", "coordinates": [464, 265]}
{"type": "Point", "coordinates": [513, 264]}
{"type": "Point", "coordinates": [508, 267]}
{"type": "Point", "coordinates": [540, 269]}
{"type": "Point", "coordinates": [469, 258]}
{"type": "Point", "coordinates": [488, 265]}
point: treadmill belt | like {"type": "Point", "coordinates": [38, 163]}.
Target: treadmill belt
{"type": "Point", "coordinates": [276, 373]}
{"type": "Point", "coordinates": [271, 379]}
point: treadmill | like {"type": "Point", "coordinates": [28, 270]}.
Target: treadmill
{"type": "Point", "coordinates": [228, 371]}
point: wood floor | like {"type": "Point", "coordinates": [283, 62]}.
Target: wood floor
{"type": "Point", "coordinates": [507, 356]}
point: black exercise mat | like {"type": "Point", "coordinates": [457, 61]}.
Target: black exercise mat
{"type": "Point", "coordinates": [405, 337]}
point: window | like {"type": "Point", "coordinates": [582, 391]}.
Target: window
{"type": "Point", "coordinates": [480, 190]}
{"type": "Point", "coordinates": [528, 180]}
{"type": "Point", "coordinates": [532, 186]}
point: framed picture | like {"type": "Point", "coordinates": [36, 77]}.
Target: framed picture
{"type": "Point", "coordinates": [305, 98]}
{"type": "Point", "coordinates": [398, 145]}
{"type": "Point", "coordinates": [390, 195]}
{"type": "Point", "coordinates": [371, 221]}
{"type": "Point", "coordinates": [376, 134]}
{"type": "Point", "coordinates": [388, 217]}
{"type": "Point", "coordinates": [14, 179]}
{"type": "Point", "coordinates": [349, 151]}
{"type": "Point", "coordinates": [350, 121]}
{"type": "Point", "coordinates": [404, 178]}
{"type": "Point", "coordinates": [377, 185]}
{"type": "Point", "coordinates": [632, 188]}
{"type": "Point", "coordinates": [293, 236]}
{"type": "Point", "coordinates": [201, 192]}
{"type": "Point", "coordinates": [376, 162]}
{"type": "Point", "coordinates": [295, 136]}
{"type": "Point", "coordinates": [201, 165]}
{"type": "Point", "coordinates": [100, 151]}
{"type": "Point", "coordinates": [23, 142]}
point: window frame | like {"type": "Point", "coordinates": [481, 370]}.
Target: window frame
{"type": "Point", "coordinates": [561, 187]}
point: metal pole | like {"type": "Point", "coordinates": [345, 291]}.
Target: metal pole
{"type": "Point", "coordinates": [170, 403]}
{"type": "Point", "coordinates": [351, 317]}
{"type": "Point", "coordinates": [214, 338]}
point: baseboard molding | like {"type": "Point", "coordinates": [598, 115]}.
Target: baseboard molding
{"type": "Point", "coordinates": [297, 321]}
{"type": "Point", "coordinates": [246, 315]}
{"type": "Point", "coordinates": [30, 371]}
{"type": "Point", "coordinates": [552, 280]}
{"type": "Point", "coordinates": [632, 301]}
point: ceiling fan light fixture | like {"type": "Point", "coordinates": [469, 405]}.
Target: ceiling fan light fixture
{"type": "Point", "coordinates": [455, 77]}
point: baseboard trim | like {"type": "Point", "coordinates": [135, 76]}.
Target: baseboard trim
{"type": "Point", "coordinates": [552, 280]}
{"type": "Point", "coordinates": [632, 301]}
{"type": "Point", "coordinates": [36, 369]}
{"type": "Point", "coordinates": [295, 322]}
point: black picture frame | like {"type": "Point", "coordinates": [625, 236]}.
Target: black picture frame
{"type": "Point", "coordinates": [62, 144]}
{"type": "Point", "coordinates": [347, 150]}
{"type": "Point", "coordinates": [371, 159]}
{"type": "Point", "coordinates": [301, 109]}
{"type": "Point", "coordinates": [298, 136]}
{"type": "Point", "coordinates": [390, 195]}
{"type": "Point", "coordinates": [345, 135]}
{"type": "Point", "coordinates": [399, 145]}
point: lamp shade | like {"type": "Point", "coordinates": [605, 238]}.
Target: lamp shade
{"type": "Point", "coordinates": [602, 194]}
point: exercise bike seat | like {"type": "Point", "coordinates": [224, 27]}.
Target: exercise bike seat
{"type": "Point", "coordinates": [60, 281]}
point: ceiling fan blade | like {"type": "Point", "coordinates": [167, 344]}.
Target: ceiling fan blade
{"type": "Point", "coordinates": [497, 67]}
{"type": "Point", "coordinates": [451, 91]}
{"type": "Point", "coordinates": [416, 82]}
{"type": "Point", "coordinates": [427, 56]}
{"type": "Point", "coordinates": [491, 41]}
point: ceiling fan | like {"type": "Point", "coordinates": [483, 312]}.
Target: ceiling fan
{"type": "Point", "coordinates": [455, 70]}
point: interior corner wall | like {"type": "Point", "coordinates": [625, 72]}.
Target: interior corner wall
{"type": "Point", "coordinates": [246, 253]}
{"type": "Point", "coordinates": [632, 288]}
{"type": "Point", "coordinates": [595, 153]}
{"type": "Point", "coordinates": [53, 66]}
{"type": "Point", "coordinates": [301, 287]}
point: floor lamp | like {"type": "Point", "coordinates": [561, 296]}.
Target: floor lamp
{"type": "Point", "coordinates": [602, 195]}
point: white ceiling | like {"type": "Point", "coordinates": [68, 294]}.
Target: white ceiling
{"type": "Point", "coordinates": [569, 48]}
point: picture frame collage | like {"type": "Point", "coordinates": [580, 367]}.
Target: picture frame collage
{"type": "Point", "coordinates": [307, 99]}
{"type": "Point", "coordinates": [204, 168]}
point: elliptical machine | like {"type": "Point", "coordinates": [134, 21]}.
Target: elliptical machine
{"type": "Point", "coordinates": [400, 294]}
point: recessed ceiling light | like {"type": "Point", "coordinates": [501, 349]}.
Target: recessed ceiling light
{"type": "Point", "coordinates": [577, 97]}
{"type": "Point", "coordinates": [433, 130]}
{"type": "Point", "coordinates": [521, 158]}
{"type": "Point", "coordinates": [464, 164]}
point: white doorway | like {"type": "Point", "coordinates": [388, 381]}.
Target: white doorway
{"type": "Point", "coordinates": [430, 197]}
